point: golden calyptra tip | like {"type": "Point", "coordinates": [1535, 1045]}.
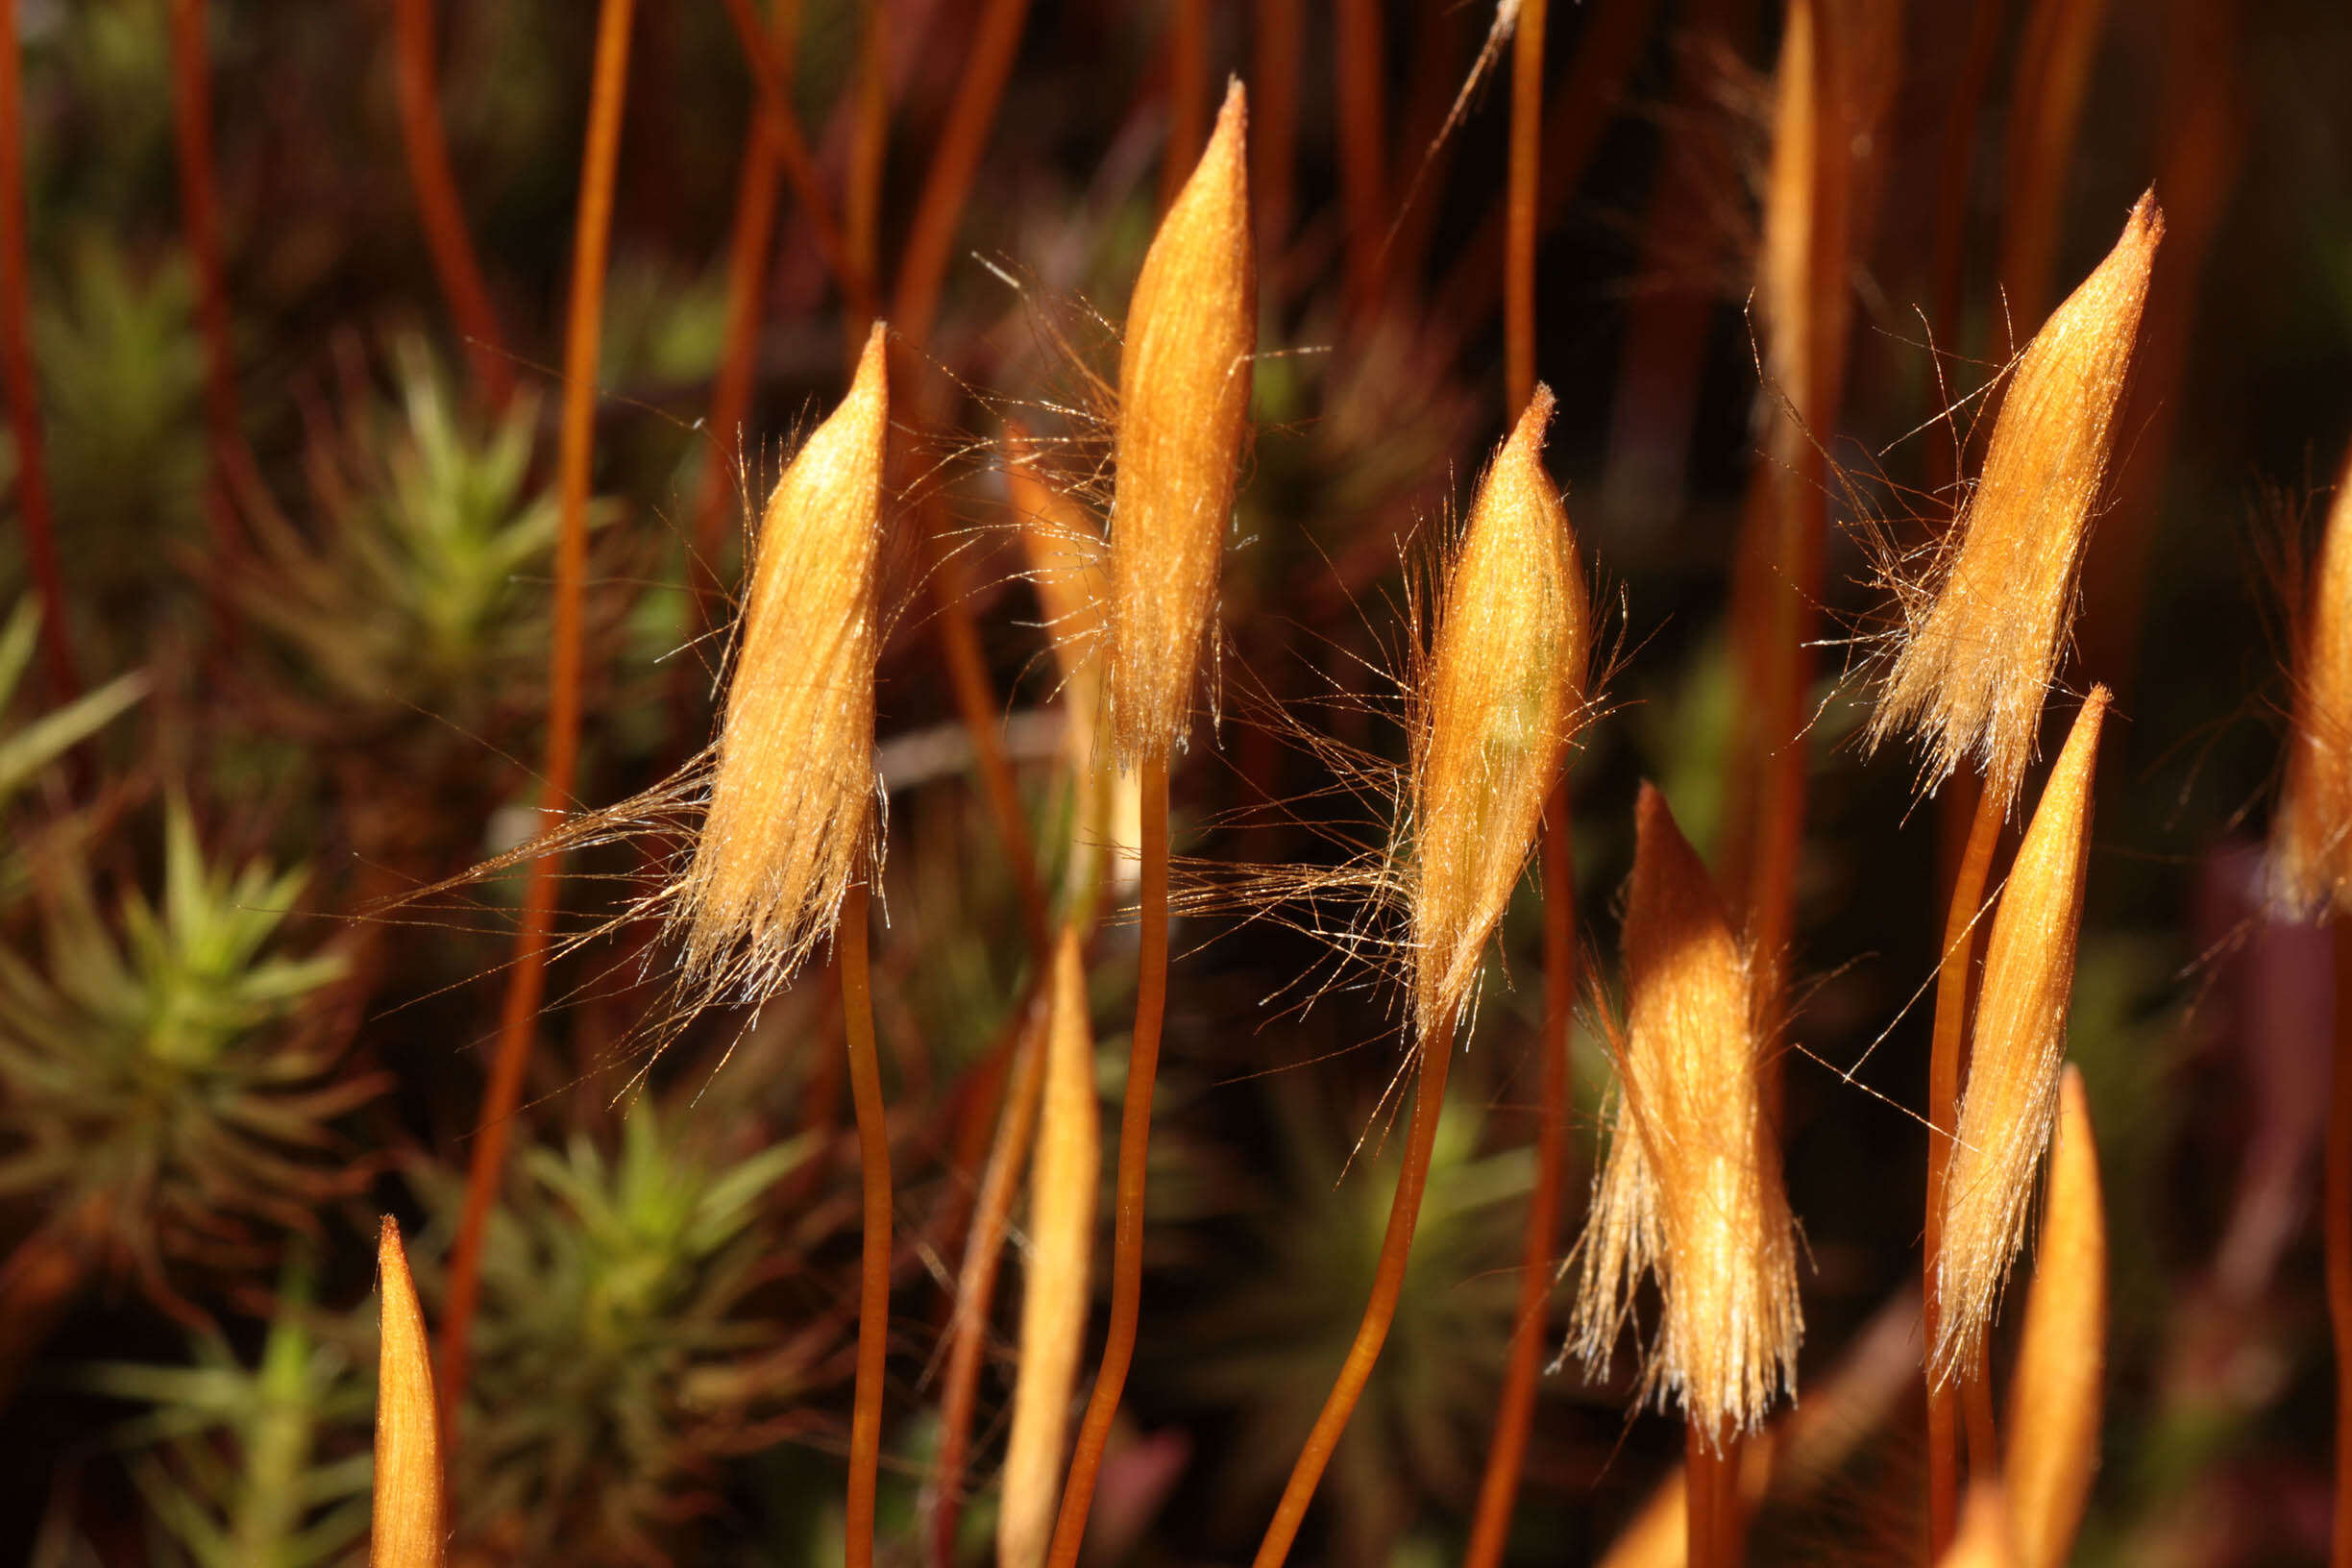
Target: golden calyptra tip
{"type": "Point", "coordinates": [408, 1529]}
{"type": "Point", "coordinates": [1983, 638]}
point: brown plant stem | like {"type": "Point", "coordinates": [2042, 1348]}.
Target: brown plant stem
{"type": "Point", "coordinates": [1188, 63]}
{"type": "Point", "coordinates": [1515, 1408]}
{"type": "Point", "coordinates": [939, 209]}
{"type": "Point", "coordinates": [1977, 1421]}
{"type": "Point", "coordinates": [415, 77]}
{"type": "Point", "coordinates": [17, 367]}
{"type": "Point", "coordinates": [1944, 1066]}
{"type": "Point", "coordinates": [799, 168]}
{"type": "Point", "coordinates": [1135, 1139]}
{"type": "Point", "coordinates": [875, 1258]}
{"type": "Point", "coordinates": [1711, 1531]}
{"type": "Point", "coordinates": [976, 1281]}
{"type": "Point", "coordinates": [527, 980]}
{"type": "Point", "coordinates": [1278, 46]}
{"type": "Point", "coordinates": [1519, 246]}
{"type": "Point", "coordinates": [2336, 1226]}
{"type": "Point", "coordinates": [1363, 147]}
{"type": "Point", "coordinates": [868, 149]}
{"type": "Point", "coordinates": [1606, 49]}
{"type": "Point", "coordinates": [1379, 1311]}
{"type": "Point", "coordinates": [749, 244]}
{"type": "Point", "coordinates": [200, 211]}
{"type": "Point", "coordinates": [2054, 58]}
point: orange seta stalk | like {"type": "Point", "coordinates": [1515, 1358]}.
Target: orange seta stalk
{"type": "Point", "coordinates": [17, 368]}
{"type": "Point", "coordinates": [1515, 1409]}
{"type": "Point", "coordinates": [1519, 247]}
{"type": "Point", "coordinates": [1960, 930]}
{"type": "Point", "coordinates": [868, 148]}
{"type": "Point", "coordinates": [1135, 1135]}
{"type": "Point", "coordinates": [1278, 45]}
{"type": "Point", "coordinates": [976, 1284]}
{"type": "Point", "coordinates": [1436, 1051]}
{"type": "Point", "coordinates": [874, 1256]}
{"type": "Point", "coordinates": [1363, 141]}
{"type": "Point", "coordinates": [939, 209]}
{"type": "Point", "coordinates": [748, 250]}
{"type": "Point", "coordinates": [1711, 1505]}
{"type": "Point", "coordinates": [416, 76]}
{"type": "Point", "coordinates": [526, 981]}
{"type": "Point", "coordinates": [1187, 93]}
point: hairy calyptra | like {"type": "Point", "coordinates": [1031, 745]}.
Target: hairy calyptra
{"type": "Point", "coordinates": [1982, 638]}
{"type": "Point", "coordinates": [1692, 1190]}
{"type": "Point", "coordinates": [2055, 1391]}
{"type": "Point", "coordinates": [1185, 378]}
{"type": "Point", "coordinates": [789, 818]}
{"type": "Point", "coordinates": [1501, 695]}
{"type": "Point", "coordinates": [2011, 1101]}
{"type": "Point", "coordinates": [2311, 839]}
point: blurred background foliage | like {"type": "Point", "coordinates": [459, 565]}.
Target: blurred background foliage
{"type": "Point", "coordinates": [221, 1057]}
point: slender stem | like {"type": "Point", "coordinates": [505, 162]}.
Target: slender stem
{"type": "Point", "coordinates": [1388, 1289]}
{"type": "Point", "coordinates": [799, 168]}
{"type": "Point", "coordinates": [200, 212]}
{"type": "Point", "coordinates": [748, 250]}
{"type": "Point", "coordinates": [939, 209]}
{"type": "Point", "coordinates": [977, 705]}
{"type": "Point", "coordinates": [2055, 58]}
{"type": "Point", "coordinates": [16, 366]}
{"type": "Point", "coordinates": [416, 76]}
{"type": "Point", "coordinates": [1943, 1117]}
{"type": "Point", "coordinates": [1188, 95]}
{"type": "Point", "coordinates": [873, 1270]}
{"type": "Point", "coordinates": [1277, 47]}
{"type": "Point", "coordinates": [976, 1282]}
{"type": "Point", "coordinates": [1976, 1418]}
{"type": "Point", "coordinates": [1363, 142]}
{"type": "Point", "coordinates": [1507, 1451]}
{"type": "Point", "coordinates": [1519, 246]}
{"type": "Point", "coordinates": [1707, 1495]}
{"type": "Point", "coordinates": [1135, 1139]}
{"type": "Point", "coordinates": [868, 147]}
{"type": "Point", "coordinates": [1608, 46]}
{"type": "Point", "coordinates": [527, 980]}
{"type": "Point", "coordinates": [2336, 1221]}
